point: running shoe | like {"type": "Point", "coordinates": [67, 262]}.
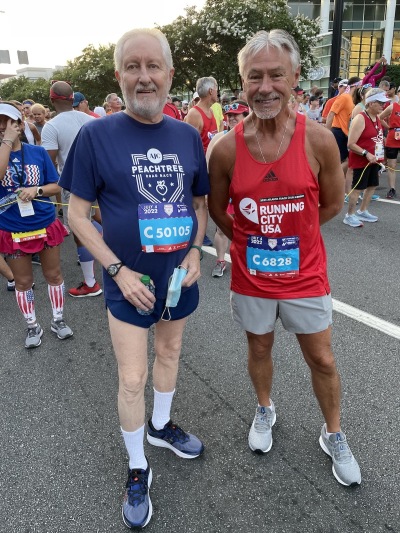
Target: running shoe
{"type": "Point", "coordinates": [260, 435]}
{"type": "Point", "coordinates": [344, 466]}
{"type": "Point", "coordinates": [175, 439]}
{"type": "Point", "coordinates": [82, 290]}
{"type": "Point", "coordinates": [207, 241]}
{"type": "Point", "coordinates": [374, 196]}
{"type": "Point", "coordinates": [11, 285]}
{"type": "Point", "coordinates": [219, 269]}
{"type": "Point", "coordinates": [366, 216]}
{"type": "Point", "coordinates": [36, 259]}
{"type": "Point", "coordinates": [391, 193]}
{"type": "Point", "coordinates": [353, 221]}
{"type": "Point", "coordinates": [60, 328]}
{"type": "Point", "coordinates": [33, 336]}
{"type": "Point", "coordinates": [137, 508]}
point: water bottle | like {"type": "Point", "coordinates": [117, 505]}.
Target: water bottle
{"type": "Point", "coordinates": [147, 282]}
{"type": "Point", "coordinates": [9, 199]}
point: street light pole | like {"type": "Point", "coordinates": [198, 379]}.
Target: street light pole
{"type": "Point", "coordinates": [336, 39]}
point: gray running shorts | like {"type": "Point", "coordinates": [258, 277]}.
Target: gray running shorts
{"type": "Point", "coordinates": [300, 315]}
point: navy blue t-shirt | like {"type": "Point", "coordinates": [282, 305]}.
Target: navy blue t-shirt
{"type": "Point", "coordinates": [144, 177]}
{"type": "Point", "coordinates": [38, 170]}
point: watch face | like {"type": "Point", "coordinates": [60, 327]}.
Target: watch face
{"type": "Point", "coordinates": [112, 270]}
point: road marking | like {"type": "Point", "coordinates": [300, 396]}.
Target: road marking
{"type": "Point", "coordinates": [348, 310]}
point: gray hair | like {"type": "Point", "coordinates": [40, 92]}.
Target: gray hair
{"type": "Point", "coordinates": [204, 84]}
{"type": "Point", "coordinates": [278, 39]}
{"type": "Point", "coordinates": [109, 96]}
{"type": "Point", "coordinates": [385, 85]}
{"type": "Point", "coordinates": [153, 32]}
{"type": "Point", "coordinates": [373, 92]}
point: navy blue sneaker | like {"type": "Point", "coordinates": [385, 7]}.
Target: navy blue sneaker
{"type": "Point", "coordinates": [207, 241]}
{"type": "Point", "coordinates": [175, 439]}
{"type": "Point", "coordinates": [137, 508]}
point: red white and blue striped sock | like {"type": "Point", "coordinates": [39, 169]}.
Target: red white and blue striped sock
{"type": "Point", "coordinates": [56, 295]}
{"type": "Point", "coordinates": [26, 303]}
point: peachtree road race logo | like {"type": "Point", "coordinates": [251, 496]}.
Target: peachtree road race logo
{"type": "Point", "coordinates": [159, 177]}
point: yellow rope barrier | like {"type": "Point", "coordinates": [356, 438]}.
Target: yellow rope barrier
{"type": "Point", "coordinates": [362, 173]}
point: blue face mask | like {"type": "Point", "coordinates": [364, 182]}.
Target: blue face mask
{"type": "Point", "coordinates": [174, 289]}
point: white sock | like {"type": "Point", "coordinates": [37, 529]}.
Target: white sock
{"type": "Point", "coordinates": [162, 408]}
{"type": "Point", "coordinates": [134, 446]}
{"type": "Point", "coordinates": [329, 434]}
{"type": "Point", "coordinates": [88, 272]}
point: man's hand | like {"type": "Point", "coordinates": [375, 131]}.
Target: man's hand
{"type": "Point", "coordinates": [133, 289]}
{"type": "Point", "coordinates": [192, 264]}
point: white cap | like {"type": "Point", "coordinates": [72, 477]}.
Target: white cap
{"type": "Point", "coordinates": [195, 95]}
{"type": "Point", "coordinates": [380, 97]}
{"type": "Point", "coordinates": [10, 111]}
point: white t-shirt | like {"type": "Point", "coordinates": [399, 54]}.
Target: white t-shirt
{"type": "Point", "coordinates": [60, 132]}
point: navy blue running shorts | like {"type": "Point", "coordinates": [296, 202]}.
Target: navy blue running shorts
{"type": "Point", "coordinates": [126, 312]}
{"type": "Point", "coordinates": [341, 140]}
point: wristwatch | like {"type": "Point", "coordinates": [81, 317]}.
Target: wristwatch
{"type": "Point", "coordinates": [39, 191]}
{"type": "Point", "coordinates": [114, 268]}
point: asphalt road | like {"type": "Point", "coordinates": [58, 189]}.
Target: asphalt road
{"type": "Point", "coordinates": [62, 459]}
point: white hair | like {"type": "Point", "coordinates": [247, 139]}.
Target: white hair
{"type": "Point", "coordinates": [278, 39]}
{"type": "Point", "coordinates": [153, 32]}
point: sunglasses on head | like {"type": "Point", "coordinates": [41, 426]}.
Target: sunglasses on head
{"type": "Point", "coordinates": [231, 107]}
{"type": "Point", "coordinates": [366, 86]}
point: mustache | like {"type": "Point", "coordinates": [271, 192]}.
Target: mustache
{"type": "Point", "coordinates": [149, 87]}
{"type": "Point", "coordinates": [259, 97]}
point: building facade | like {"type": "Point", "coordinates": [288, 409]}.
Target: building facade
{"type": "Point", "coordinates": [371, 26]}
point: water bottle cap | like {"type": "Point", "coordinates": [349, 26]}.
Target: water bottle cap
{"type": "Point", "coordinates": [145, 279]}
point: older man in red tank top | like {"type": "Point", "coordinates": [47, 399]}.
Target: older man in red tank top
{"type": "Point", "coordinates": [283, 174]}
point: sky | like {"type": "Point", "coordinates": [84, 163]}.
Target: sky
{"type": "Point", "coordinates": [53, 33]}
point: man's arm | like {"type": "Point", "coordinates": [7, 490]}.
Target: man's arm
{"type": "Point", "coordinates": [220, 165]}
{"type": "Point", "coordinates": [329, 120]}
{"type": "Point", "coordinates": [194, 118]}
{"type": "Point", "coordinates": [323, 155]}
{"type": "Point", "coordinates": [192, 260]}
{"type": "Point", "coordinates": [127, 280]}
{"type": "Point", "coordinates": [53, 156]}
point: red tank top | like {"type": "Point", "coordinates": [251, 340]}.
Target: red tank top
{"type": "Point", "coordinates": [277, 249]}
{"type": "Point", "coordinates": [394, 123]}
{"type": "Point", "coordinates": [209, 128]}
{"type": "Point", "coordinates": [371, 134]}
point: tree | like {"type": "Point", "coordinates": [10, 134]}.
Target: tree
{"type": "Point", "coordinates": [207, 42]}
{"type": "Point", "coordinates": [91, 73]}
{"type": "Point", "coordinates": [20, 88]}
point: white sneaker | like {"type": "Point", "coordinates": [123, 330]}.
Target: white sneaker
{"type": "Point", "coordinates": [260, 435]}
{"type": "Point", "coordinates": [353, 221]}
{"type": "Point", "coordinates": [366, 216]}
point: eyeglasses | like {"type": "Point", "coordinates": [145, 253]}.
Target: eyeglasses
{"type": "Point", "coordinates": [231, 107]}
